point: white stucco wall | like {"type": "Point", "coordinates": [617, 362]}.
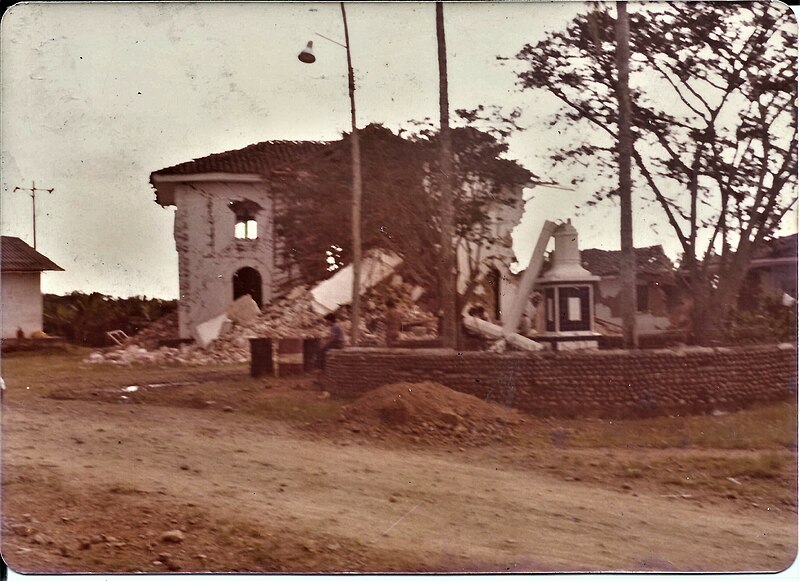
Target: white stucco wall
{"type": "Point", "coordinates": [503, 218]}
{"type": "Point", "coordinates": [20, 303]}
{"type": "Point", "coordinates": [645, 322]}
{"type": "Point", "coordinates": [208, 253]}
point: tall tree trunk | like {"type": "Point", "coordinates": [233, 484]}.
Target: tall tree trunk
{"type": "Point", "coordinates": [624, 149]}
{"type": "Point", "coordinates": [447, 270]}
{"type": "Point", "coordinates": [713, 302]}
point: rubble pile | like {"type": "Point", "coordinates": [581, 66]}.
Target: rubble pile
{"type": "Point", "coordinates": [432, 413]}
{"type": "Point", "coordinates": [287, 317]}
{"type": "Point", "coordinates": [164, 328]}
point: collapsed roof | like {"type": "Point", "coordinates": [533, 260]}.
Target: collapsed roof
{"type": "Point", "coordinates": [260, 161]}
{"type": "Point", "coordinates": [649, 260]}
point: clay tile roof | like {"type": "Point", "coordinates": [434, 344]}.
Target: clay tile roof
{"type": "Point", "coordinates": [258, 158]}
{"type": "Point", "coordinates": [649, 260]}
{"type": "Point", "coordinates": [783, 247]}
{"type": "Point", "coordinates": [16, 256]}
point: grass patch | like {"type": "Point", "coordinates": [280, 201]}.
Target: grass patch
{"type": "Point", "coordinates": [765, 427]}
{"type": "Point", "coordinates": [290, 408]}
{"type": "Point", "coordinates": [765, 465]}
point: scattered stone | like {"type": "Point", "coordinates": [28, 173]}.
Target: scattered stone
{"type": "Point", "coordinates": [174, 565]}
{"type": "Point", "coordinates": [21, 530]}
{"type": "Point", "coordinates": [185, 467]}
{"type": "Point", "coordinates": [627, 486]}
{"type": "Point", "coordinates": [64, 551]}
{"type": "Point", "coordinates": [174, 536]}
{"type": "Point", "coordinates": [40, 539]}
{"type": "Point", "coordinates": [227, 408]}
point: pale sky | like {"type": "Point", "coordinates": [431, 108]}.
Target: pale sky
{"type": "Point", "coordinates": [97, 96]}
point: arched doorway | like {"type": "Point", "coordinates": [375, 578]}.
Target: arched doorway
{"type": "Point", "coordinates": [247, 281]}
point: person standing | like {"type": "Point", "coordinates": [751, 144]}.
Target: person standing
{"type": "Point", "coordinates": [335, 339]}
{"type": "Point", "coordinates": [393, 323]}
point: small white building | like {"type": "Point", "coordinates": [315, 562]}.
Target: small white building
{"type": "Point", "coordinates": [20, 290]}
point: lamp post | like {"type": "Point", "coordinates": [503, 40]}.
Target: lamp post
{"type": "Point", "coordinates": [307, 56]}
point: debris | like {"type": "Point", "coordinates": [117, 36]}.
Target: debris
{"type": "Point", "coordinates": [174, 536]}
{"type": "Point", "coordinates": [336, 291]}
{"type": "Point", "coordinates": [290, 316]}
{"type": "Point", "coordinates": [40, 539]}
{"type": "Point", "coordinates": [492, 331]}
{"type": "Point", "coordinates": [206, 333]}
{"type": "Point", "coordinates": [243, 310]}
{"type": "Point", "coordinates": [21, 530]}
{"type": "Point", "coordinates": [118, 336]}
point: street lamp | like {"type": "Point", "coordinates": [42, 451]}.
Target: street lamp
{"type": "Point", "coordinates": [307, 56]}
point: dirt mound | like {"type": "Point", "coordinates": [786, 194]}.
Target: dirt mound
{"type": "Point", "coordinates": [431, 412]}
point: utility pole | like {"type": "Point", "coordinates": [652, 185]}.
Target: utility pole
{"type": "Point", "coordinates": [447, 269]}
{"type": "Point", "coordinates": [355, 154]}
{"type": "Point", "coordinates": [33, 189]}
{"type": "Point", "coordinates": [307, 56]}
{"type": "Point", "coordinates": [625, 149]}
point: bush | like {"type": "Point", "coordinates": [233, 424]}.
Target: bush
{"type": "Point", "coordinates": [769, 322]}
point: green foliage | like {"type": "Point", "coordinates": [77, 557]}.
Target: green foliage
{"type": "Point", "coordinates": [400, 207]}
{"type": "Point", "coordinates": [771, 321]}
{"type": "Point", "coordinates": [713, 91]}
{"type": "Point", "coordinates": [85, 319]}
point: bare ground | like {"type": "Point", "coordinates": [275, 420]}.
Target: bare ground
{"type": "Point", "coordinates": [264, 476]}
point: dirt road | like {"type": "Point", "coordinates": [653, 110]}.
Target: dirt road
{"type": "Point", "coordinates": [92, 485]}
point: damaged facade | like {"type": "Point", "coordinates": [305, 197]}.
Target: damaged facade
{"type": "Point", "coordinates": [657, 294]}
{"type": "Point", "coordinates": [224, 228]}
{"type": "Point", "coordinates": [228, 246]}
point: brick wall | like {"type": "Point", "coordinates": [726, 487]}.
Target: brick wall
{"type": "Point", "coordinates": [598, 383]}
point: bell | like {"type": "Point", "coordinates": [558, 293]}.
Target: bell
{"type": "Point", "coordinates": [307, 54]}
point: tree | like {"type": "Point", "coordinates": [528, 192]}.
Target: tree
{"type": "Point", "coordinates": [714, 122]}
{"type": "Point", "coordinates": [402, 210]}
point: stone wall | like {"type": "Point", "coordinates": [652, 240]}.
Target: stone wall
{"type": "Point", "coordinates": [597, 383]}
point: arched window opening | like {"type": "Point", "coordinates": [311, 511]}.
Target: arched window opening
{"type": "Point", "coordinates": [247, 281]}
{"type": "Point", "coordinates": [246, 227]}
{"type": "Point", "coordinates": [246, 230]}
